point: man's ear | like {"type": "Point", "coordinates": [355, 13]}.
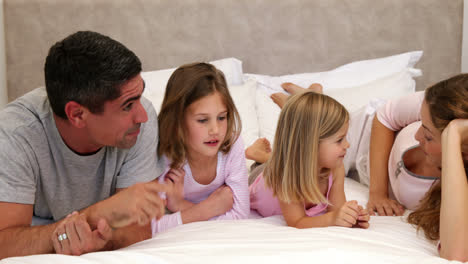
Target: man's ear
{"type": "Point", "coordinates": [76, 114]}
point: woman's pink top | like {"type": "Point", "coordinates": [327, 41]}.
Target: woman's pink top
{"type": "Point", "coordinates": [263, 201]}
{"type": "Point", "coordinates": [403, 115]}
{"type": "Point", "coordinates": [231, 171]}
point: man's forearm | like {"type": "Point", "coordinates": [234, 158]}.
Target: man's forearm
{"type": "Point", "coordinates": [129, 235]}
{"type": "Point", "coordinates": [22, 241]}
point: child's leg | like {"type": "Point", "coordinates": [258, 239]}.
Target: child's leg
{"type": "Point", "coordinates": [294, 89]}
{"type": "Point", "coordinates": [281, 98]}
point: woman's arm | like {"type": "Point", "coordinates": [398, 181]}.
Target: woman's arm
{"type": "Point", "coordinates": [393, 116]}
{"type": "Point", "coordinates": [381, 143]}
{"type": "Point", "coordinates": [454, 205]}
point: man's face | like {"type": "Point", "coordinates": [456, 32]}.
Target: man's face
{"type": "Point", "coordinates": [119, 124]}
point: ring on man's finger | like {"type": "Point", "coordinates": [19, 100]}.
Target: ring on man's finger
{"type": "Point", "coordinates": [62, 237]}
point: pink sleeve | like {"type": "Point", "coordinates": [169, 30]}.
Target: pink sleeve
{"type": "Point", "coordinates": [169, 220]}
{"type": "Point", "coordinates": [166, 222]}
{"type": "Point", "coordinates": [398, 113]}
{"type": "Point", "coordinates": [237, 179]}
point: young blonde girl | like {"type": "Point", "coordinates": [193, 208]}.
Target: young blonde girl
{"type": "Point", "coordinates": [304, 178]}
{"type": "Point", "coordinates": [199, 129]}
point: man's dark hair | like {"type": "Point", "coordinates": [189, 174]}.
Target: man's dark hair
{"type": "Point", "coordinates": [88, 68]}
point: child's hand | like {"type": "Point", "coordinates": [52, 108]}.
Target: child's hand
{"type": "Point", "coordinates": [174, 179]}
{"type": "Point", "coordinates": [363, 218]}
{"type": "Point", "coordinates": [347, 215]}
{"type": "Point", "coordinates": [222, 200]}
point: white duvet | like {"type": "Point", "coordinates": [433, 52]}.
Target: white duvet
{"type": "Point", "coordinates": [268, 240]}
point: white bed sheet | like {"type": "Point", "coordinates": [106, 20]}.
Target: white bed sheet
{"type": "Point", "coordinates": [269, 240]}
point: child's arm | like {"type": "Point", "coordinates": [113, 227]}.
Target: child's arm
{"type": "Point", "coordinates": [392, 117]}
{"type": "Point", "coordinates": [337, 197]}
{"type": "Point", "coordinates": [338, 204]}
{"type": "Point", "coordinates": [205, 210]}
{"type": "Point", "coordinates": [454, 205]}
{"type": "Point", "coordinates": [295, 216]}
{"type": "Point", "coordinates": [345, 212]}
{"type": "Point", "coordinates": [342, 213]}
{"type": "Point", "coordinates": [174, 179]}
{"type": "Point", "coordinates": [237, 180]}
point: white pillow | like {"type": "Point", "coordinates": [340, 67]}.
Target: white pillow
{"type": "Point", "coordinates": [156, 81]}
{"type": "Point", "coordinates": [346, 76]}
{"type": "Point", "coordinates": [354, 94]}
{"type": "Point", "coordinates": [244, 99]}
{"type": "Point", "coordinates": [389, 87]}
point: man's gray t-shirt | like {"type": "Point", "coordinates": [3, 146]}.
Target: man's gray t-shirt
{"type": "Point", "coordinates": [38, 168]}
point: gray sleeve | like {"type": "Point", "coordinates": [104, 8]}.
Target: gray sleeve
{"type": "Point", "coordinates": [142, 163]}
{"type": "Point", "coordinates": [17, 180]}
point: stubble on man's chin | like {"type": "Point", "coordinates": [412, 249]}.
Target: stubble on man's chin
{"type": "Point", "coordinates": [127, 143]}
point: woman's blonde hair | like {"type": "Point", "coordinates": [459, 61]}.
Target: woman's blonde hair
{"type": "Point", "coordinates": [292, 172]}
{"type": "Point", "coordinates": [186, 85]}
{"type": "Point", "coordinates": [447, 100]}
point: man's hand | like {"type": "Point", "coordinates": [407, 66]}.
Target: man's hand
{"type": "Point", "coordinates": [73, 236]}
{"type": "Point", "coordinates": [137, 204]}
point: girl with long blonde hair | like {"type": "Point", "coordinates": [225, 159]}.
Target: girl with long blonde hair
{"type": "Point", "coordinates": [304, 178]}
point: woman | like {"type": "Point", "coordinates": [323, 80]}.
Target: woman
{"type": "Point", "coordinates": [434, 170]}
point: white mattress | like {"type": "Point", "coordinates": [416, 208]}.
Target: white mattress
{"type": "Point", "coordinates": [269, 240]}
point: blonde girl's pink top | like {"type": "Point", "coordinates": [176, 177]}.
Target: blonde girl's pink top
{"type": "Point", "coordinates": [263, 201]}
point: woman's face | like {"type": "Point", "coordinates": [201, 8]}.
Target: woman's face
{"type": "Point", "coordinates": [429, 137]}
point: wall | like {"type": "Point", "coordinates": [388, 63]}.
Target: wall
{"type": "Point", "coordinates": [3, 87]}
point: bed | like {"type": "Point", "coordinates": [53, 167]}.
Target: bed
{"type": "Point", "coordinates": [364, 52]}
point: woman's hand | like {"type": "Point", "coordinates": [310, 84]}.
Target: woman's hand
{"type": "Point", "coordinates": [459, 128]}
{"type": "Point", "coordinates": [384, 206]}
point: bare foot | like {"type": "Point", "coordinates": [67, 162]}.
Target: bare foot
{"type": "Point", "coordinates": [259, 151]}
{"type": "Point", "coordinates": [292, 88]}
{"type": "Point", "coordinates": [279, 99]}
{"type": "Point", "coordinates": [316, 87]}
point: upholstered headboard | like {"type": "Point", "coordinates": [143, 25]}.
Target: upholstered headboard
{"type": "Point", "coordinates": [269, 36]}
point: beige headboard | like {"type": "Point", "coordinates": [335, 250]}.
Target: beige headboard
{"type": "Point", "coordinates": [269, 36]}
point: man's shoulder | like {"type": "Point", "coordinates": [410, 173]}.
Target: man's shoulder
{"type": "Point", "coordinates": [148, 107]}
{"type": "Point", "coordinates": [149, 128]}
{"type": "Point", "coordinates": [26, 113]}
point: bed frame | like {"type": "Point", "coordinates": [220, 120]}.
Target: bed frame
{"type": "Point", "coordinates": [270, 36]}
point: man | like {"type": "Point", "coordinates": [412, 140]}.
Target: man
{"type": "Point", "coordinates": [85, 143]}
